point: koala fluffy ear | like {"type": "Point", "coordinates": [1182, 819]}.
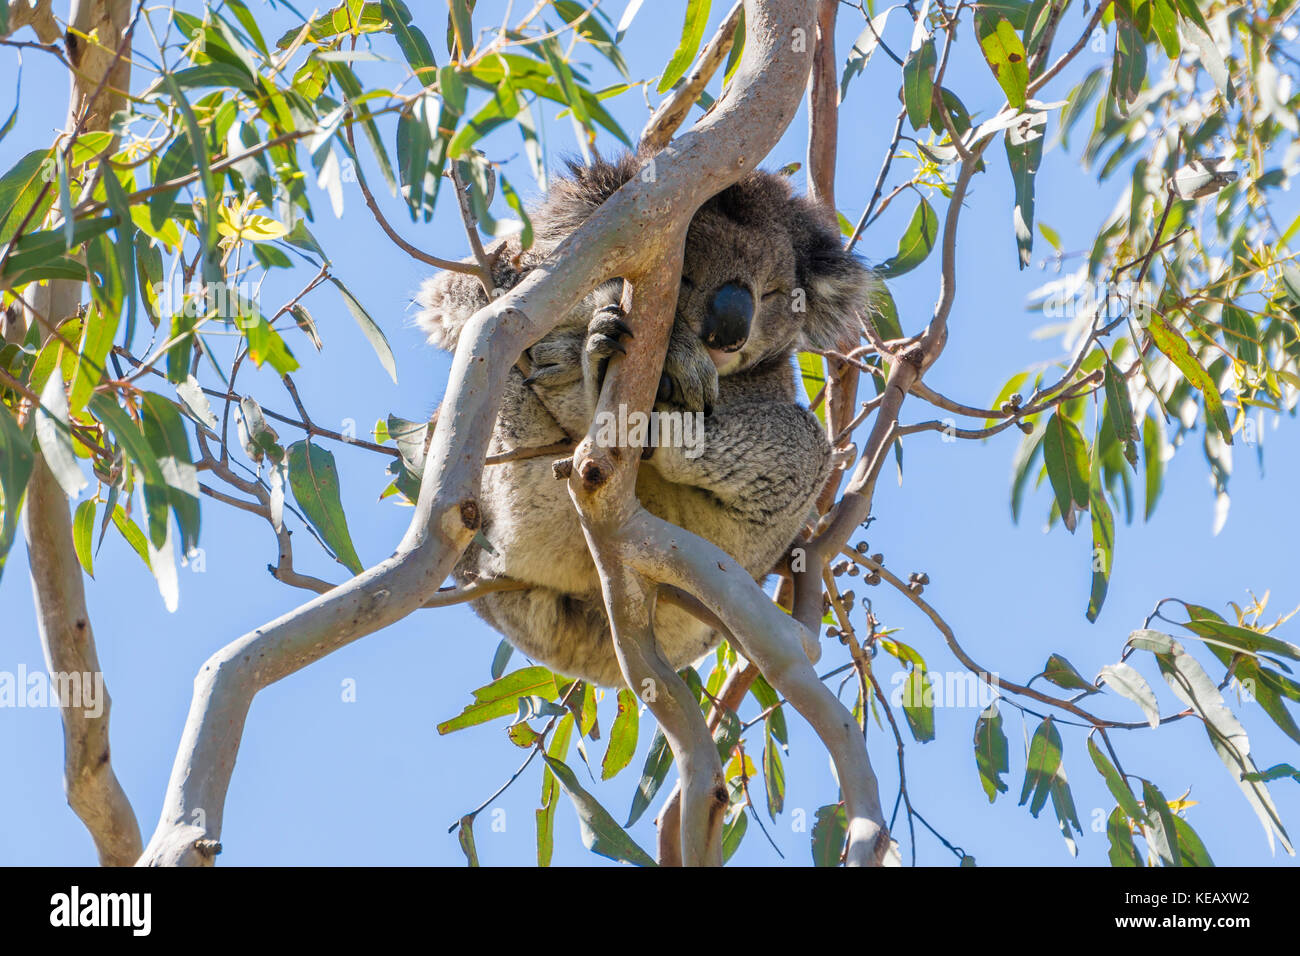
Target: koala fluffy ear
{"type": "Point", "coordinates": [838, 286]}
{"type": "Point", "coordinates": [575, 196]}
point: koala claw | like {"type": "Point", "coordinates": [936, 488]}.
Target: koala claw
{"type": "Point", "coordinates": [609, 320]}
{"type": "Point", "coordinates": [690, 379]}
{"type": "Point", "coordinates": [606, 331]}
{"type": "Point", "coordinates": [605, 334]}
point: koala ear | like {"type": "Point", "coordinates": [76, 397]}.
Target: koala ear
{"type": "Point", "coordinates": [837, 286]}
{"type": "Point", "coordinates": [574, 197]}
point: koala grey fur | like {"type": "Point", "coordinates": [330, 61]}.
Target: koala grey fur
{"type": "Point", "coordinates": [764, 457]}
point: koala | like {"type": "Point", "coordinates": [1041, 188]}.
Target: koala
{"type": "Point", "coordinates": [764, 274]}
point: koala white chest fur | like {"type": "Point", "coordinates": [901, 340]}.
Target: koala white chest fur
{"type": "Point", "coordinates": [763, 275]}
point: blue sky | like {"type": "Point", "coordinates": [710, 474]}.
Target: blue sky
{"type": "Point", "coordinates": [323, 781]}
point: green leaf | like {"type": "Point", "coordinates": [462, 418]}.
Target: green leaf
{"type": "Point", "coordinates": [1067, 815]}
{"type": "Point", "coordinates": [54, 435]}
{"type": "Point", "coordinates": [1190, 847]}
{"type": "Point", "coordinates": [916, 243]}
{"type": "Point", "coordinates": [1129, 68]}
{"type": "Point", "coordinates": [1027, 453]}
{"type": "Point", "coordinates": [505, 650]}
{"type": "Point", "coordinates": [347, 18]}
{"type": "Point", "coordinates": [918, 705]}
{"type": "Point", "coordinates": [1189, 682]}
{"type": "Point", "coordinates": [829, 833]}
{"type": "Point", "coordinates": [773, 771]}
{"type": "Point", "coordinates": [465, 836]}
{"type": "Point", "coordinates": [180, 353]}
{"type": "Point", "coordinates": [1062, 673]}
{"type": "Point", "coordinates": [1041, 766]}
{"type": "Point", "coordinates": [1164, 22]}
{"type": "Point", "coordinates": [1122, 851]}
{"type": "Point", "coordinates": [96, 342]}
{"type": "Point", "coordinates": [353, 94]}
{"type": "Point", "coordinates": [545, 816]}
{"type": "Point", "coordinates": [1119, 411]}
{"type": "Point", "coordinates": [1103, 534]}
{"type": "Point", "coordinates": [370, 329]}
{"type": "Point", "coordinates": [918, 84]}
{"type": "Point", "coordinates": [589, 28]}
{"type": "Point", "coordinates": [657, 764]}
{"type": "Point", "coordinates": [164, 430]}
{"type": "Point", "coordinates": [265, 345]}
{"type": "Point", "coordinates": [1115, 783]}
{"type": "Point", "coordinates": [812, 371]}
{"type": "Point", "coordinates": [1241, 638]}
{"type": "Point", "coordinates": [20, 188]}
{"type": "Point", "coordinates": [462, 25]}
{"type": "Point", "coordinates": [1196, 31]}
{"type": "Point", "coordinates": [622, 736]}
{"type": "Point", "coordinates": [1005, 54]}
{"type": "Point", "coordinates": [1126, 681]}
{"type": "Point", "coordinates": [132, 534]}
{"type": "Point", "coordinates": [1153, 447]}
{"type": "Point", "coordinates": [732, 834]}
{"type": "Point", "coordinates": [865, 45]}
{"type": "Point", "coordinates": [503, 107]}
{"type": "Point", "coordinates": [83, 532]}
{"type": "Point", "coordinates": [1024, 144]}
{"type": "Point", "coordinates": [600, 833]}
{"type": "Point", "coordinates": [175, 162]}
{"type": "Point", "coordinates": [1279, 772]}
{"type": "Point", "coordinates": [1168, 340]}
{"type": "Point", "coordinates": [991, 752]}
{"type": "Point", "coordinates": [211, 271]}
{"type": "Point", "coordinates": [315, 482]}
{"type": "Point", "coordinates": [16, 460]}
{"type": "Point", "coordinates": [417, 130]}
{"type": "Point", "coordinates": [500, 698]}
{"type": "Point", "coordinates": [128, 433]}
{"type": "Point", "coordinates": [1066, 455]}
{"type": "Point", "coordinates": [697, 18]}
{"type": "Point", "coordinates": [1160, 830]}
{"type": "Point", "coordinates": [412, 42]}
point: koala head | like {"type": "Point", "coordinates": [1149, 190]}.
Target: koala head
{"type": "Point", "coordinates": [763, 272]}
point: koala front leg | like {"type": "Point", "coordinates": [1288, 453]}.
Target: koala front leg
{"type": "Point", "coordinates": [689, 381]}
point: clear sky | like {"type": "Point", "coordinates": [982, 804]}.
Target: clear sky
{"type": "Point", "coordinates": [324, 781]}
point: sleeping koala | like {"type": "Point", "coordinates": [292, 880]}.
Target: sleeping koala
{"type": "Point", "coordinates": [763, 275]}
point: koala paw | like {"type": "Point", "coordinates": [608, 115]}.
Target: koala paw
{"type": "Point", "coordinates": [606, 333]}
{"type": "Point", "coordinates": [556, 360]}
{"type": "Point", "coordinates": [690, 379]}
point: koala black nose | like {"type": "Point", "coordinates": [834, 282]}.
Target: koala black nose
{"type": "Point", "coordinates": [726, 323]}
